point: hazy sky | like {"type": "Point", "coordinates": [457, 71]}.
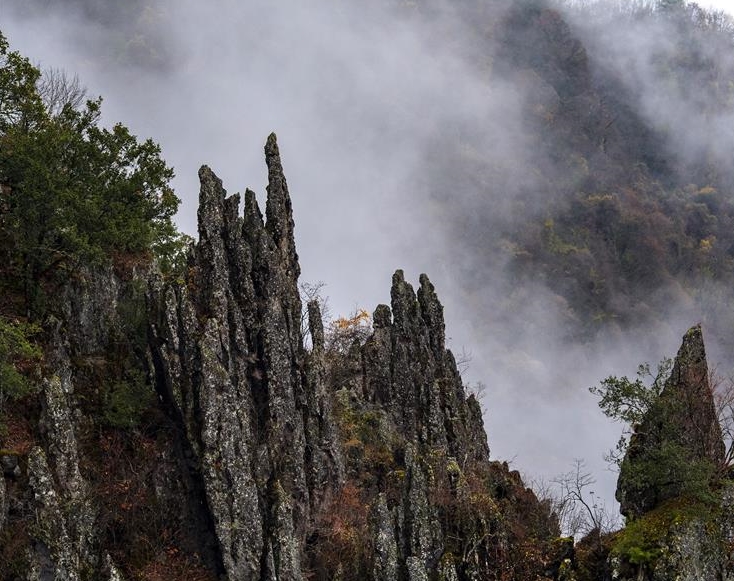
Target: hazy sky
{"type": "Point", "coordinates": [355, 96]}
{"type": "Point", "coordinates": [726, 5]}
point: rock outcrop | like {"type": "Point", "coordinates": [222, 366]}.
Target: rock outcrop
{"type": "Point", "coordinates": [382, 426]}
{"type": "Point", "coordinates": [670, 487]}
{"type": "Point", "coordinates": [231, 365]}
{"type": "Point", "coordinates": [678, 445]}
{"type": "Point", "coordinates": [181, 430]}
{"type": "Point", "coordinates": [50, 510]}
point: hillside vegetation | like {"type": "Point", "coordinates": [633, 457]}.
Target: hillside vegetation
{"type": "Point", "coordinates": [625, 206]}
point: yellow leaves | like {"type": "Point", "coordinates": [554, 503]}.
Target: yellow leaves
{"type": "Point", "coordinates": [707, 244]}
{"type": "Point", "coordinates": [359, 318]}
{"type": "Point", "coordinates": [345, 331]}
{"type": "Point", "coordinates": [707, 190]}
{"type": "Point", "coordinates": [594, 199]}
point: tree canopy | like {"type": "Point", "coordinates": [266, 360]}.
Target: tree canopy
{"type": "Point", "coordinates": [73, 191]}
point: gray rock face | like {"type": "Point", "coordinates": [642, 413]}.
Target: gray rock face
{"type": "Point", "coordinates": [274, 460]}
{"type": "Point", "coordinates": [259, 459]}
{"type": "Point", "coordinates": [668, 482]}
{"type": "Point", "coordinates": [407, 369]}
{"type": "Point", "coordinates": [691, 549]}
{"type": "Point", "coordinates": [65, 536]}
{"type": "Point", "coordinates": [689, 382]}
{"type": "Point", "coordinates": [256, 407]}
{"type": "Point", "coordinates": [386, 550]}
{"type": "Point", "coordinates": [53, 507]}
{"type": "Point", "coordinates": [230, 358]}
{"type": "Point", "coordinates": [405, 407]}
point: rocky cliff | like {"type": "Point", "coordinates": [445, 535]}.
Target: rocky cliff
{"type": "Point", "coordinates": [679, 439]}
{"type": "Point", "coordinates": [672, 484]}
{"type": "Point", "coordinates": [186, 429]}
{"type": "Point", "coordinates": [180, 429]}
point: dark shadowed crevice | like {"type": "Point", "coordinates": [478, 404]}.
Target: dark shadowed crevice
{"type": "Point", "coordinates": [200, 524]}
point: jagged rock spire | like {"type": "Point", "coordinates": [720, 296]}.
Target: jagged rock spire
{"type": "Point", "coordinates": [408, 369]}
{"type": "Point", "coordinates": [256, 414]}
{"type": "Point", "coordinates": [690, 383]}
{"type": "Point", "coordinates": [432, 313]}
{"type": "Point", "coordinates": [278, 210]}
{"type": "Point", "coordinates": [678, 446]}
{"type": "Point", "coordinates": [278, 462]}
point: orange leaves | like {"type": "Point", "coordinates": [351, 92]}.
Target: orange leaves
{"type": "Point", "coordinates": [359, 318]}
{"type": "Point", "coordinates": [18, 436]}
{"type": "Point", "coordinates": [171, 564]}
{"type": "Point", "coordinates": [342, 529]}
{"type": "Point", "coordinates": [343, 332]}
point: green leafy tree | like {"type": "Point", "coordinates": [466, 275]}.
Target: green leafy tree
{"type": "Point", "coordinates": [675, 448]}
{"type": "Point", "coordinates": [629, 401]}
{"type": "Point", "coordinates": [20, 103]}
{"type": "Point", "coordinates": [75, 192]}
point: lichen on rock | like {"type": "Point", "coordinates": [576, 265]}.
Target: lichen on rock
{"type": "Point", "coordinates": [251, 456]}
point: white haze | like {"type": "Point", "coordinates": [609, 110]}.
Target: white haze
{"type": "Point", "coordinates": [355, 95]}
{"type": "Point", "coordinates": [724, 5]}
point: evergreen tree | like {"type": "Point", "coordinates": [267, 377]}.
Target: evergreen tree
{"type": "Point", "coordinates": [73, 192]}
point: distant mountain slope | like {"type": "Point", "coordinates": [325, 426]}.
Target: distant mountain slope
{"type": "Point", "coordinates": [625, 205]}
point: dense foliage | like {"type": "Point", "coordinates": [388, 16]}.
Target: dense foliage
{"type": "Point", "coordinates": [80, 203]}
{"type": "Point", "coordinates": [18, 353]}
{"type": "Point", "coordinates": [667, 464]}
{"type": "Point", "coordinates": [628, 401]}
{"type": "Point", "coordinates": [73, 191]}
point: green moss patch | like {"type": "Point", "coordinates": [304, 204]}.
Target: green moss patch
{"type": "Point", "coordinates": [641, 542]}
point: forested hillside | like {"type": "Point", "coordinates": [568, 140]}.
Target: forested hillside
{"type": "Point", "coordinates": [626, 206]}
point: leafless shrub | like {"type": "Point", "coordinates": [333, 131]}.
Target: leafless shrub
{"type": "Point", "coordinates": [463, 360]}
{"type": "Point", "coordinates": [722, 389]}
{"type": "Point", "coordinates": [312, 292]}
{"type": "Point", "coordinates": [572, 498]}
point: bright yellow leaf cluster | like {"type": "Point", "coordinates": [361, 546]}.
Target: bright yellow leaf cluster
{"type": "Point", "coordinates": [360, 317]}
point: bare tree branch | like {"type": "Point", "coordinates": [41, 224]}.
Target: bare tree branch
{"type": "Point", "coordinates": [59, 90]}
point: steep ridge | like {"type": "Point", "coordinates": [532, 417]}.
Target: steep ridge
{"type": "Point", "coordinates": [262, 459]}
{"type": "Point", "coordinates": [232, 365]}
{"type": "Point", "coordinates": [181, 430]}
{"type": "Point", "coordinates": [680, 428]}
{"type": "Point", "coordinates": [285, 438]}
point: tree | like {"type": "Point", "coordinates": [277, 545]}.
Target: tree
{"type": "Point", "coordinates": [59, 90]}
{"type": "Point", "coordinates": [580, 511]}
{"type": "Point", "coordinates": [312, 292]}
{"type": "Point", "coordinates": [627, 401]}
{"type": "Point", "coordinates": [20, 103]}
{"type": "Point", "coordinates": [572, 500]}
{"type": "Point", "coordinates": [344, 332]}
{"type": "Point", "coordinates": [74, 192]}
{"type": "Point", "coordinates": [18, 355]}
{"type": "Point", "coordinates": [723, 392]}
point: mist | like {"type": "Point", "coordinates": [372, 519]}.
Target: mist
{"type": "Point", "coordinates": [368, 104]}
